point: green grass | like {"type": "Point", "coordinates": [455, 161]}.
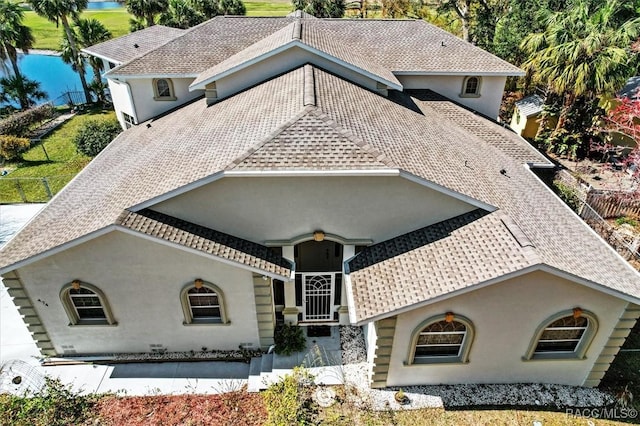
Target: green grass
{"type": "Point", "coordinates": [48, 36]}
{"type": "Point", "coordinates": [63, 164]}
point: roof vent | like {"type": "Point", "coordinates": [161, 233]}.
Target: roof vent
{"type": "Point", "coordinates": [136, 45]}
{"type": "Point", "coordinates": [443, 44]}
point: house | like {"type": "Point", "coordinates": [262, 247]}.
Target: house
{"type": "Point", "coordinates": [526, 116]}
{"type": "Point", "coordinates": [322, 172]}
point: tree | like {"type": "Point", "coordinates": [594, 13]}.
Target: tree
{"type": "Point", "coordinates": [320, 8]}
{"type": "Point", "coordinates": [14, 35]}
{"type": "Point", "coordinates": [180, 14]}
{"type": "Point", "coordinates": [147, 9]}
{"type": "Point", "coordinates": [231, 7]}
{"type": "Point", "coordinates": [87, 33]}
{"type": "Point", "coordinates": [208, 8]}
{"type": "Point", "coordinates": [583, 52]}
{"type": "Point", "coordinates": [59, 11]}
{"type": "Point", "coordinates": [21, 90]}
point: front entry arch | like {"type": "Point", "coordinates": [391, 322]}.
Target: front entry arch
{"type": "Point", "coordinates": [318, 279]}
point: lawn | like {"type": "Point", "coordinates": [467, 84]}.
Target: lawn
{"type": "Point", "coordinates": [63, 164]}
{"type": "Point", "coordinates": [48, 36]}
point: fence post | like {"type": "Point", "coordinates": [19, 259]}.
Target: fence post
{"type": "Point", "coordinates": [20, 191]}
{"type": "Point", "coordinates": [46, 187]}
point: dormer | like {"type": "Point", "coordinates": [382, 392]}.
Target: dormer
{"type": "Point", "coordinates": [297, 44]}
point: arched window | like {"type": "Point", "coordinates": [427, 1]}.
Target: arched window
{"type": "Point", "coordinates": [564, 335]}
{"type": "Point", "coordinates": [163, 89]}
{"type": "Point", "coordinates": [203, 303]}
{"type": "Point", "coordinates": [471, 87]}
{"type": "Point", "coordinates": [440, 339]}
{"type": "Point", "coordinates": [85, 304]}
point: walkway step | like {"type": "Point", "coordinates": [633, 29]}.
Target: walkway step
{"type": "Point", "coordinates": [267, 363]}
{"type": "Point", "coordinates": [254, 366]}
{"type": "Point", "coordinates": [254, 381]}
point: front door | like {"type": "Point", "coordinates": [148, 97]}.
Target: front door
{"type": "Point", "coordinates": [319, 269]}
{"type": "Point", "coordinates": [317, 294]}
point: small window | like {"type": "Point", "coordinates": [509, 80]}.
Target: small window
{"type": "Point", "coordinates": [202, 303]}
{"type": "Point", "coordinates": [445, 338]}
{"type": "Point", "coordinates": [85, 304]}
{"type": "Point", "coordinates": [129, 121]}
{"type": "Point", "coordinates": [471, 87]}
{"type": "Point", "coordinates": [565, 335]}
{"type": "Point", "coordinates": [163, 89]}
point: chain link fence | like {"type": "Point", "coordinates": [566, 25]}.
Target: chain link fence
{"type": "Point", "coordinates": [31, 190]}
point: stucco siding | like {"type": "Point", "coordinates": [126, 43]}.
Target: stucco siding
{"type": "Point", "coordinates": [122, 100]}
{"type": "Point", "coordinates": [143, 96]}
{"type": "Point", "coordinates": [488, 103]}
{"type": "Point", "coordinates": [142, 281]}
{"type": "Point", "coordinates": [505, 318]}
{"type": "Point", "coordinates": [282, 62]}
{"type": "Point", "coordinates": [291, 207]}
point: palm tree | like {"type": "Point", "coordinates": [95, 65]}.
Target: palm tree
{"type": "Point", "coordinates": [147, 9]}
{"type": "Point", "coordinates": [89, 32]}
{"type": "Point", "coordinates": [21, 90]}
{"type": "Point", "coordinates": [14, 35]}
{"type": "Point", "coordinates": [583, 52]}
{"type": "Point", "coordinates": [59, 11]}
{"type": "Point", "coordinates": [180, 14]}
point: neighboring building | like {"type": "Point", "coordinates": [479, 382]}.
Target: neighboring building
{"type": "Point", "coordinates": [526, 116]}
{"type": "Point", "coordinates": [323, 172]}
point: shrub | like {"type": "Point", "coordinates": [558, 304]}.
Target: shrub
{"type": "Point", "coordinates": [95, 135]}
{"type": "Point", "coordinates": [11, 147]}
{"type": "Point", "coordinates": [289, 339]}
{"type": "Point", "coordinates": [289, 401]}
{"type": "Point", "coordinates": [55, 405]}
{"type": "Point", "coordinates": [20, 124]}
{"type": "Point", "coordinates": [567, 194]}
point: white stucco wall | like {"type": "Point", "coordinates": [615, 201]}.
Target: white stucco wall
{"type": "Point", "coordinates": [122, 100]}
{"type": "Point", "coordinates": [142, 94]}
{"type": "Point", "coordinates": [142, 281]}
{"type": "Point", "coordinates": [488, 103]}
{"type": "Point", "coordinates": [280, 63]}
{"type": "Point", "coordinates": [505, 317]}
{"type": "Point", "coordinates": [277, 208]}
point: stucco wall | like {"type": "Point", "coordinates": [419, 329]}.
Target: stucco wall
{"type": "Point", "coordinates": [146, 107]}
{"type": "Point", "coordinates": [277, 208]}
{"type": "Point", "coordinates": [488, 103]}
{"type": "Point", "coordinates": [122, 101]}
{"type": "Point", "coordinates": [505, 317]}
{"type": "Point", "coordinates": [142, 281]}
{"type": "Point", "coordinates": [285, 61]}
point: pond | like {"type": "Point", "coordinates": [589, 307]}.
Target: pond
{"type": "Point", "coordinates": [97, 5]}
{"type": "Point", "coordinates": [55, 77]}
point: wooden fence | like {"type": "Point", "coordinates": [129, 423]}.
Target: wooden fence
{"type": "Point", "coordinates": [610, 204]}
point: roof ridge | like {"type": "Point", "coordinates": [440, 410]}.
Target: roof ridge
{"type": "Point", "coordinates": [348, 134]}
{"type": "Point", "coordinates": [309, 95]}
{"type": "Point", "coordinates": [275, 132]}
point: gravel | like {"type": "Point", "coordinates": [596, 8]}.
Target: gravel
{"type": "Point", "coordinates": [356, 376]}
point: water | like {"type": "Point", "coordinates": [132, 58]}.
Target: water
{"type": "Point", "coordinates": [97, 5]}
{"type": "Point", "coordinates": [15, 216]}
{"type": "Point", "coordinates": [55, 77]}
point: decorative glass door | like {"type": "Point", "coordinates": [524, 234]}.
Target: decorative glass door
{"type": "Point", "coordinates": [317, 296]}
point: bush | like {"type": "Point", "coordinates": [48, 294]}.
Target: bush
{"type": "Point", "coordinates": [568, 195]}
{"type": "Point", "coordinates": [55, 405]}
{"type": "Point", "coordinates": [20, 124]}
{"type": "Point", "coordinates": [289, 339]}
{"type": "Point", "coordinates": [11, 147]}
{"type": "Point", "coordinates": [289, 401]}
{"type": "Point", "coordinates": [95, 135]}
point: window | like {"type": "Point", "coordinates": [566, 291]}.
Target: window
{"type": "Point", "coordinates": [85, 304]}
{"type": "Point", "coordinates": [444, 338]}
{"type": "Point", "coordinates": [163, 89]}
{"type": "Point", "coordinates": [471, 87]}
{"type": "Point", "coordinates": [564, 335]}
{"type": "Point", "coordinates": [129, 121]}
{"type": "Point", "coordinates": [202, 303]}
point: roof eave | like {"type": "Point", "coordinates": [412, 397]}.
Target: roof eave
{"type": "Point", "coordinates": [518, 73]}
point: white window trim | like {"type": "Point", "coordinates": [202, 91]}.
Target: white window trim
{"type": "Point", "coordinates": [186, 306]}
{"type": "Point", "coordinates": [72, 313]}
{"type": "Point", "coordinates": [156, 93]}
{"type": "Point", "coordinates": [465, 346]}
{"type": "Point", "coordinates": [579, 353]}
{"type": "Point", "coordinates": [463, 92]}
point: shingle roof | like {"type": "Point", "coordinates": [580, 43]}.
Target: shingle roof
{"type": "Point", "coordinates": [207, 240]}
{"type": "Point", "coordinates": [123, 49]}
{"type": "Point", "coordinates": [530, 225]}
{"type": "Point", "coordinates": [304, 34]}
{"type": "Point", "coordinates": [400, 46]}
{"type": "Point", "coordinates": [530, 105]}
